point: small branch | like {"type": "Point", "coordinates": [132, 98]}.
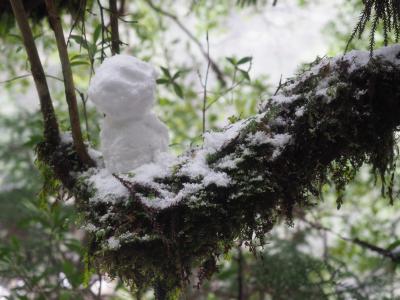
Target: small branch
{"type": "Point", "coordinates": [114, 27]}
{"type": "Point", "coordinates": [363, 244]}
{"type": "Point", "coordinates": [240, 262]}
{"type": "Point", "coordinates": [51, 131]}
{"type": "Point", "coordinates": [68, 83]}
{"type": "Point", "coordinates": [204, 110]}
{"type": "Point", "coordinates": [102, 30]}
{"type": "Point", "coordinates": [214, 66]}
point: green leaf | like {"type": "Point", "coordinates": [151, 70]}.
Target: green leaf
{"type": "Point", "coordinates": [166, 72]}
{"type": "Point", "coordinates": [393, 245]}
{"type": "Point", "coordinates": [232, 60]}
{"type": "Point", "coordinates": [178, 90]}
{"type": "Point", "coordinates": [74, 277]}
{"type": "Point", "coordinates": [79, 40]}
{"type": "Point", "coordinates": [75, 57]}
{"type": "Point", "coordinates": [176, 75]}
{"type": "Point", "coordinates": [96, 33]}
{"type": "Point", "coordinates": [87, 274]}
{"type": "Point", "coordinates": [244, 60]}
{"type": "Point", "coordinates": [163, 81]}
{"type": "Point", "coordinates": [245, 74]}
{"type": "Point", "coordinates": [16, 36]}
{"type": "Point", "coordinates": [79, 62]}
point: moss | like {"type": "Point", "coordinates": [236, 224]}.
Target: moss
{"type": "Point", "coordinates": [330, 141]}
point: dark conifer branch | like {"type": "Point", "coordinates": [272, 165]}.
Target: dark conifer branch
{"type": "Point", "coordinates": [70, 95]}
{"type": "Point", "coordinates": [51, 131]}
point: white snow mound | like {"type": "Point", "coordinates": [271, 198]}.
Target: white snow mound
{"type": "Point", "coordinates": [123, 88]}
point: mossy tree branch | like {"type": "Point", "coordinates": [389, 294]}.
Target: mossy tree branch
{"type": "Point", "coordinates": [70, 95]}
{"type": "Point", "coordinates": [320, 127]}
{"type": "Point", "coordinates": [51, 131]}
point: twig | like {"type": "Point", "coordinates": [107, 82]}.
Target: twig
{"type": "Point", "coordinates": [70, 95]}
{"type": "Point", "coordinates": [204, 110]}
{"type": "Point", "coordinates": [214, 66]}
{"type": "Point", "coordinates": [15, 78]}
{"type": "Point", "coordinates": [231, 88]}
{"type": "Point", "coordinates": [102, 30]}
{"type": "Point", "coordinates": [81, 9]}
{"type": "Point", "coordinates": [240, 262]}
{"type": "Point", "coordinates": [279, 86]}
{"type": "Point", "coordinates": [364, 244]}
{"type": "Point", "coordinates": [51, 131]}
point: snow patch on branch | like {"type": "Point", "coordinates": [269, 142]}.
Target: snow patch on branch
{"type": "Point", "coordinates": [214, 141]}
{"type": "Point", "coordinates": [278, 141]}
{"type": "Point", "coordinates": [107, 187]}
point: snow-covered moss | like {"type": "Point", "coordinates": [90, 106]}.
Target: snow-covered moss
{"type": "Point", "coordinates": [169, 216]}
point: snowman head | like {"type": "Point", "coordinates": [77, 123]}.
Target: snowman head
{"type": "Point", "coordinates": [123, 87]}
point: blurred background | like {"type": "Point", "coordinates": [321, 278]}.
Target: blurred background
{"type": "Point", "coordinates": [217, 60]}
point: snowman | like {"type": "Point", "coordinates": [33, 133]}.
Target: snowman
{"type": "Point", "coordinates": [123, 89]}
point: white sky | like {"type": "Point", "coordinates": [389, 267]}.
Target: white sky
{"type": "Point", "coordinates": [279, 38]}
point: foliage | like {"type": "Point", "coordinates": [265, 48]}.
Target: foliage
{"type": "Point", "coordinates": [386, 12]}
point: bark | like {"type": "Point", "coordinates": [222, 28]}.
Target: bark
{"type": "Point", "coordinates": [325, 123]}
{"type": "Point", "coordinates": [70, 95]}
{"type": "Point", "coordinates": [115, 41]}
{"type": "Point", "coordinates": [51, 131]}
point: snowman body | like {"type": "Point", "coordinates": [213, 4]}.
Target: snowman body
{"type": "Point", "coordinates": [123, 88]}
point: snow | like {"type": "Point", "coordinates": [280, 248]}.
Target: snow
{"type": "Point", "coordinates": [108, 188]}
{"type": "Point", "coordinates": [66, 137]}
{"type": "Point", "coordinates": [162, 166]}
{"type": "Point", "coordinates": [280, 99]}
{"type": "Point", "coordinates": [113, 243]}
{"type": "Point", "coordinates": [214, 141]}
{"type": "Point", "coordinates": [299, 112]}
{"type": "Point", "coordinates": [229, 162]}
{"type": "Point", "coordinates": [90, 227]}
{"type": "Point", "coordinates": [278, 141]}
{"type": "Point", "coordinates": [123, 89]}
{"type": "Point", "coordinates": [361, 58]}
{"type": "Point", "coordinates": [197, 167]}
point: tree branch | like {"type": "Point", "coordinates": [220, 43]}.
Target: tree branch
{"type": "Point", "coordinates": [159, 222]}
{"type": "Point", "coordinates": [115, 41]}
{"type": "Point", "coordinates": [387, 253]}
{"type": "Point", "coordinates": [51, 131]}
{"type": "Point", "coordinates": [68, 83]}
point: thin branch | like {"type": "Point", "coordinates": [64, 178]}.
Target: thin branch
{"type": "Point", "coordinates": [214, 66]}
{"type": "Point", "coordinates": [231, 88]}
{"type": "Point", "coordinates": [363, 244]}
{"type": "Point", "coordinates": [68, 83]}
{"type": "Point", "coordinates": [102, 30]}
{"type": "Point", "coordinates": [240, 262]}
{"type": "Point", "coordinates": [114, 27]}
{"type": "Point", "coordinates": [15, 78]}
{"type": "Point", "coordinates": [80, 15]}
{"type": "Point", "coordinates": [204, 110]}
{"type": "Point", "coordinates": [51, 131]}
